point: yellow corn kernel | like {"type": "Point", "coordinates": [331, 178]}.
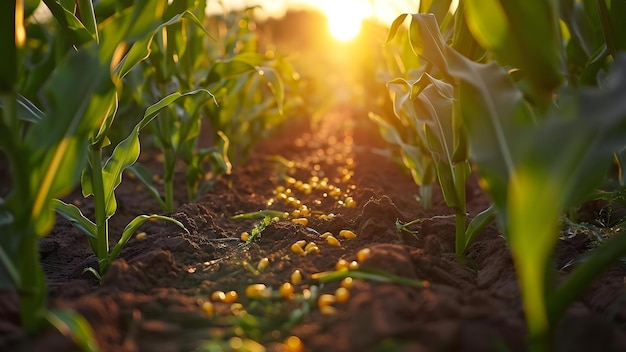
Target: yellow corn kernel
{"type": "Point", "coordinates": [296, 213]}
{"type": "Point", "coordinates": [331, 240]}
{"type": "Point", "coordinates": [341, 295]}
{"type": "Point", "coordinates": [256, 291]}
{"type": "Point", "coordinates": [347, 234]}
{"type": "Point", "coordinates": [309, 246]}
{"type": "Point", "coordinates": [341, 264]}
{"type": "Point", "coordinates": [237, 309]}
{"type": "Point", "coordinates": [347, 283]}
{"type": "Point", "coordinates": [290, 180]}
{"type": "Point", "coordinates": [325, 235]}
{"type": "Point", "coordinates": [353, 265]}
{"type": "Point", "coordinates": [296, 277]}
{"type": "Point", "coordinates": [263, 264]}
{"type": "Point", "coordinates": [300, 221]}
{"type": "Point", "coordinates": [313, 249]}
{"type": "Point", "coordinates": [328, 310]}
{"type": "Point", "coordinates": [140, 236]}
{"type": "Point", "coordinates": [301, 243]}
{"type": "Point", "coordinates": [350, 202]}
{"type": "Point", "coordinates": [231, 297]}
{"type": "Point", "coordinates": [295, 248]}
{"type": "Point", "coordinates": [208, 308]}
{"type": "Point", "coordinates": [218, 296]}
{"type": "Point", "coordinates": [325, 300]}
{"type": "Point", "coordinates": [362, 254]}
{"type": "Point", "coordinates": [286, 290]}
{"type": "Point", "coordinates": [293, 344]}
{"type": "Point", "coordinates": [245, 236]}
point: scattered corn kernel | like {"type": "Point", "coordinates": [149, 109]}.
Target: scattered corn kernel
{"type": "Point", "coordinates": [353, 265]}
{"type": "Point", "coordinates": [350, 203]}
{"type": "Point", "coordinates": [231, 297]}
{"type": "Point", "coordinates": [328, 310]}
{"type": "Point", "coordinates": [257, 291]}
{"type": "Point", "coordinates": [342, 264]}
{"type": "Point", "coordinates": [325, 299]}
{"type": "Point", "coordinates": [325, 235]}
{"type": "Point", "coordinates": [218, 296]}
{"type": "Point", "coordinates": [293, 344]}
{"type": "Point", "coordinates": [331, 240]}
{"type": "Point", "coordinates": [313, 249]}
{"type": "Point", "coordinates": [263, 264]}
{"type": "Point", "coordinates": [286, 290]}
{"type": "Point", "coordinates": [237, 309]}
{"type": "Point", "coordinates": [140, 236]}
{"type": "Point", "coordinates": [300, 221]}
{"type": "Point", "coordinates": [309, 246]}
{"type": "Point", "coordinates": [362, 254]}
{"type": "Point", "coordinates": [295, 248]}
{"type": "Point", "coordinates": [347, 283]}
{"type": "Point", "coordinates": [296, 277]}
{"type": "Point", "coordinates": [342, 294]}
{"type": "Point", "coordinates": [245, 236]}
{"type": "Point", "coordinates": [208, 308]}
{"type": "Point", "coordinates": [347, 234]}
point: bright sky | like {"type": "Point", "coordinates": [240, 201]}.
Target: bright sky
{"type": "Point", "coordinates": [384, 10]}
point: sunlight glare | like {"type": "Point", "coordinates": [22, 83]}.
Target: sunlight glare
{"type": "Point", "coordinates": [345, 17]}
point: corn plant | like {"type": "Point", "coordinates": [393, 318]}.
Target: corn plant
{"type": "Point", "coordinates": [536, 157]}
{"type": "Point", "coordinates": [43, 147]}
{"type": "Point", "coordinates": [100, 179]}
{"type": "Point", "coordinates": [424, 102]}
{"type": "Point", "coordinates": [230, 67]}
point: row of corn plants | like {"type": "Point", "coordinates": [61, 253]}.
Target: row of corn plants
{"type": "Point", "coordinates": [77, 91]}
{"type": "Point", "coordinates": [542, 121]}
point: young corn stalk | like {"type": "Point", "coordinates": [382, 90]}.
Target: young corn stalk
{"type": "Point", "coordinates": [427, 98]}
{"type": "Point", "coordinates": [100, 178]}
{"type": "Point", "coordinates": [44, 149]}
{"type": "Point", "coordinates": [536, 159]}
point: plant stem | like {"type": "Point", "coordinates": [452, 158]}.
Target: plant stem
{"type": "Point", "coordinates": [33, 291]}
{"type": "Point", "coordinates": [99, 199]}
{"type": "Point", "coordinates": [461, 210]}
{"type": "Point", "coordinates": [168, 179]}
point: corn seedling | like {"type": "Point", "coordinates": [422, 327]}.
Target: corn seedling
{"type": "Point", "coordinates": [425, 101]}
{"type": "Point", "coordinates": [100, 179]}
{"type": "Point", "coordinates": [536, 158]}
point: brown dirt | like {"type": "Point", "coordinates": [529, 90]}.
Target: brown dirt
{"type": "Point", "coordinates": [150, 300]}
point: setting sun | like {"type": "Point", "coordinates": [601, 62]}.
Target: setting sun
{"type": "Point", "coordinates": [345, 17]}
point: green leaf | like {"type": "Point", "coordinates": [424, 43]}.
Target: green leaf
{"type": "Point", "coordinates": [73, 214]}
{"type": "Point", "coordinates": [88, 16]}
{"type": "Point", "coordinates": [145, 176]}
{"type": "Point", "coordinates": [58, 142]}
{"type": "Point", "coordinates": [478, 223]}
{"type": "Point", "coordinates": [75, 326]}
{"type": "Point", "coordinates": [72, 26]}
{"type": "Point", "coordinates": [504, 30]}
{"type": "Point", "coordinates": [126, 152]}
{"type": "Point", "coordinates": [141, 49]}
{"type": "Point", "coordinates": [132, 226]}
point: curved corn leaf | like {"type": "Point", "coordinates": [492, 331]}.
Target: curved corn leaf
{"type": "Point", "coordinates": [140, 50]}
{"type": "Point", "coordinates": [74, 326]}
{"type": "Point", "coordinates": [145, 176]}
{"type": "Point", "coordinates": [72, 26]}
{"type": "Point", "coordinates": [73, 214]}
{"type": "Point", "coordinates": [506, 33]}
{"type": "Point", "coordinates": [130, 229]}
{"type": "Point", "coordinates": [126, 152]}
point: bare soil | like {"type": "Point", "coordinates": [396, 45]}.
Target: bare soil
{"type": "Point", "coordinates": [151, 298]}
